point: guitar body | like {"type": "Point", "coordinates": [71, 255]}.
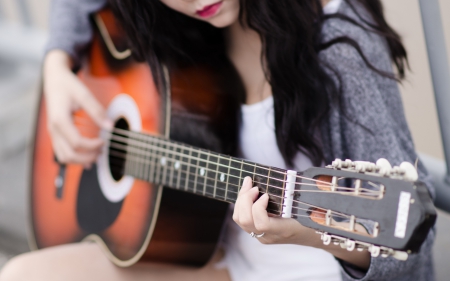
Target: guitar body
{"type": "Point", "coordinates": [130, 219]}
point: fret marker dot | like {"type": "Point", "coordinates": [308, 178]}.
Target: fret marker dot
{"type": "Point", "coordinates": [163, 161]}
{"type": "Point", "coordinates": [177, 165]}
{"type": "Point", "coordinates": [222, 177]}
{"type": "Point", "coordinates": [202, 171]}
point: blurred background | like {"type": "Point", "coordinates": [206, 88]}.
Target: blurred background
{"type": "Point", "coordinates": [23, 33]}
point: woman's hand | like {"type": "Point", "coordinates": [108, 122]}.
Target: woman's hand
{"type": "Point", "coordinates": [251, 215]}
{"type": "Point", "coordinates": [64, 94]}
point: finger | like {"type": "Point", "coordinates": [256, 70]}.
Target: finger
{"type": "Point", "coordinates": [67, 155]}
{"type": "Point", "coordinates": [66, 129]}
{"type": "Point", "coordinates": [93, 108]}
{"type": "Point", "coordinates": [261, 220]}
{"type": "Point", "coordinates": [246, 185]}
{"type": "Point", "coordinates": [245, 209]}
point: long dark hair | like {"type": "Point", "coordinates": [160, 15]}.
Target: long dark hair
{"type": "Point", "coordinates": [302, 89]}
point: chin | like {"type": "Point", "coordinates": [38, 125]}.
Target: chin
{"type": "Point", "coordinates": [222, 21]}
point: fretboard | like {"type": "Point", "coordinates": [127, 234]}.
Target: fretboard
{"type": "Point", "coordinates": [183, 167]}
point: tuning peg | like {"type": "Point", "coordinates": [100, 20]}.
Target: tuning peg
{"type": "Point", "coordinates": [374, 251]}
{"type": "Point", "coordinates": [363, 166]}
{"type": "Point", "coordinates": [337, 163]}
{"type": "Point", "coordinates": [410, 171]}
{"type": "Point", "coordinates": [399, 255]}
{"type": "Point", "coordinates": [350, 245]}
{"type": "Point", "coordinates": [347, 164]}
{"type": "Point", "coordinates": [336, 241]}
{"type": "Point", "coordinates": [384, 165]}
{"type": "Point", "coordinates": [326, 238]}
{"type": "Point", "coordinates": [360, 247]}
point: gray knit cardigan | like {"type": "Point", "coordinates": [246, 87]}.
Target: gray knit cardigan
{"type": "Point", "coordinates": [373, 127]}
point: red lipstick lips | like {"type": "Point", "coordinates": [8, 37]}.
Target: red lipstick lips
{"type": "Point", "coordinates": [210, 10]}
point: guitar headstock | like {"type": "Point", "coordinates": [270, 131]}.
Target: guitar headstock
{"type": "Point", "coordinates": [366, 206]}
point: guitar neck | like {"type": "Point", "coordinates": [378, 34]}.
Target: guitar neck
{"type": "Point", "coordinates": [183, 167]}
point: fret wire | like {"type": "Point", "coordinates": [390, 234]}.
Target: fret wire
{"type": "Point", "coordinates": [267, 185]}
{"type": "Point", "coordinates": [228, 178]}
{"type": "Point", "coordinates": [313, 191]}
{"type": "Point", "coordinates": [215, 179]}
{"type": "Point", "coordinates": [179, 170]}
{"type": "Point", "coordinates": [283, 190]}
{"type": "Point", "coordinates": [240, 175]}
{"type": "Point", "coordinates": [159, 154]}
{"type": "Point", "coordinates": [196, 171]}
{"type": "Point", "coordinates": [171, 170]}
{"type": "Point", "coordinates": [164, 168]}
{"type": "Point", "coordinates": [152, 166]}
{"type": "Point", "coordinates": [294, 207]}
{"type": "Point", "coordinates": [219, 155]}
{"type": "Point", "coordinates": [206, 173]}
{"type": "Point", "coordinates": [146, 154]}
{"type": "Point", "coordinates": [257, 165]}
{"type": "Point", "coordinates": [254, 173]}
{"type": "Point", "coordinates": [299, 184]}
{"type": "Point", "coordinates": [172, 166]}
{"type": "Point", "coordinates": [188, 168]}
{"type": "Point", "coordinates": [166, 163]}
{"type": "Point", "coordinates": [140, 169]}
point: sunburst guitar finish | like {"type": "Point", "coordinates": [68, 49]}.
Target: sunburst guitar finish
{"type": "Point", "coordinates": [130, 219]}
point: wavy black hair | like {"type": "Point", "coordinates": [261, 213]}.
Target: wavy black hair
{"type": "Point", "coordinates": [302, 89]}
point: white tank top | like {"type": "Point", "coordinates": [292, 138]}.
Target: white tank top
{"type": "Point", "coordinates": [245, 257]}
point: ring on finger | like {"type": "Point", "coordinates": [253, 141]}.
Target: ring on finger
{"type": "Point", "coordinates": [254, 235]}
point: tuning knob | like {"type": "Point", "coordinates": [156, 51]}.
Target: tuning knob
{"type": "Point", "coordinates": [402, 256]}
{"type": "Point", "coordinates": [410, 171]}
{"type": "Point", "coordinates": [385, 166]}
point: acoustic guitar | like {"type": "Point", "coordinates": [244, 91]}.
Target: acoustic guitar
{"type": "Point", "coordinates": [161, 188]}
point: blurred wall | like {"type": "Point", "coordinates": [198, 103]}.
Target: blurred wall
{"type": "Point", "coordinates": [38, 11]}
{"type": "Point", "coordinates": [417, 90]}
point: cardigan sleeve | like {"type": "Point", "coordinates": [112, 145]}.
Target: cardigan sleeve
{"type": "Point", "coordinates": [70, 28]}
{"type": "Point", "coordinates": [370, 124]}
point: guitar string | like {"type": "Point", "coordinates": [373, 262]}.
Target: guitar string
{"type": "Point", "coordinates": [293, 215]}
{"type": "Point", "coordinates": [168, 151]}
{"type": "Point", "coordinates": [188, 179]}
{"type": "Point", "coordinates": [348, 192]}
{"type": "Point", "coordinates": [140, 158]}
{"type": "Point", "coordinates": [271, 169]}
{"type": "Point", "coordinates": [299, 202]}
{"type": "Point", "coordinates": [320, 210]}
{"type": "Point", "coordinates": [141, 155]}
{"type": "Point", "coordinates": [185, 146]}
{"type": "Point", "coordinates": [148, 137]}
{"type": "Point", "coordinates": [368, 191]}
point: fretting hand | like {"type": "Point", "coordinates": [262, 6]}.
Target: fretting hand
{"type": "Point", "coordinates": [251, 215]}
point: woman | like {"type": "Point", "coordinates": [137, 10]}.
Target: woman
{"type": "Point", "coordinates": [318, 84]}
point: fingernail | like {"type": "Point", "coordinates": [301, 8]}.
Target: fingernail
{"type": "Point", "coordinates": [246, 180]}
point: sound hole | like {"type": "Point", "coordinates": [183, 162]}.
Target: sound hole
{"type": "Point", "coordinates": [117, 149]}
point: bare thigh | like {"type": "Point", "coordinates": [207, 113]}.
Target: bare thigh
{"type": "Point", "coordinates": [85, 261]}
